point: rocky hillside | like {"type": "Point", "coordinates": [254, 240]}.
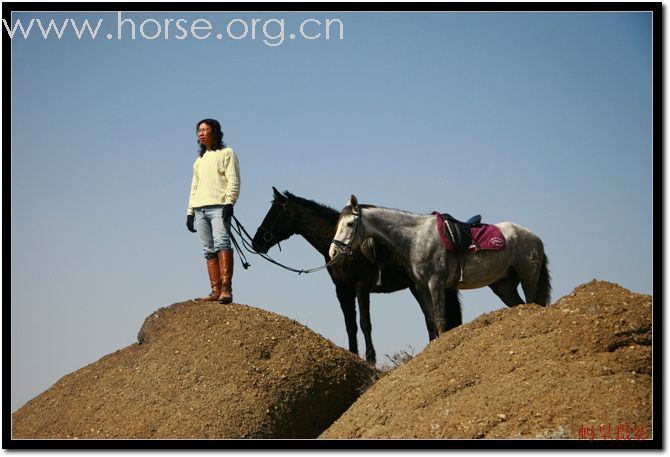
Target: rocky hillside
{"type": "Point", "coordinates": [204, 370]}
{"type": "Point", "coordinates": [580, 368]}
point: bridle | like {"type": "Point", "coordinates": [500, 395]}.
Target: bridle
{"type": "Point", "coordinates": [358, 230]}
{"type": "Point", "coordinates": [247, 242]}
{"type": "Point", "coordinates": [268, 234]}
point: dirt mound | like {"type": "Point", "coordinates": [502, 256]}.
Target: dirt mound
{"type": "Point", "coordinates": [580, 368]}
{"type": "Point", "coordinates": [204, 370]}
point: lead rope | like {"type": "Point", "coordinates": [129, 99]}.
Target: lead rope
{"type": "Point", "coordinates": [245, 238]}
{"type": "Point", "coordinates": [243, 258]}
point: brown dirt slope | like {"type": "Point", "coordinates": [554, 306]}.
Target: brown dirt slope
{"type": "Point", "coordinates": [204, 370]}
{"type": "Point", "coordinates": [581, 366]}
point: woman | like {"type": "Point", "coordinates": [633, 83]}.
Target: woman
{"type": "Point", "coordinates": [214, 190]}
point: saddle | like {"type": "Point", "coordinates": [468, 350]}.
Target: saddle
{"type": "Point", "coordinates": [460, 233]}
{"type": "Point", "coordinates": [462, 238]}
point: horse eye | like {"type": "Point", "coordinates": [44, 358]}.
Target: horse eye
{"type": "Point", "coordinates": [350, 224]}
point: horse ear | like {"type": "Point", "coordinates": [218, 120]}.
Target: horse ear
{"type": "Point", "coordinates": [278, 196]}
{"type": "Point", "coordinates": [353, 201]}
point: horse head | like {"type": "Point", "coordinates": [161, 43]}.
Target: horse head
{"type": "Point", "coordinates": [348, 230]}
{"type": "Point", "coordinates": [278, 224]}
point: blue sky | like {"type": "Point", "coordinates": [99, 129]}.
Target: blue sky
{"type": "Point", "coordinates": [543, 119]}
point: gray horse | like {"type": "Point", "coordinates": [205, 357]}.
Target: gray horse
{"type": "Point", "coordinates": [415, 241]}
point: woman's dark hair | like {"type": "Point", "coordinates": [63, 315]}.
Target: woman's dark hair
{"type": "Point", "coordinates": [216, 131]}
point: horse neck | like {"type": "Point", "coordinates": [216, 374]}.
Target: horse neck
{"type": "Point", "coordinates": [394, 227]}
{"type": "Point", "coordinates": [317, 229]}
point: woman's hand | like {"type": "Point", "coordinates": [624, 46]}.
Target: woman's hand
{"type": "Point", "coordinates": [189, 223]}
{"type": "Point", "coordinates": [227, 212]}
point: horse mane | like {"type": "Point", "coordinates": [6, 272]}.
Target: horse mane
{"type": "Point", "coordinates": [322, 210]}
{"type": "Point", "coordinates": [349, 210]}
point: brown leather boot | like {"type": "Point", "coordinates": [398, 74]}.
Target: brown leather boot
{"type": "Point", "coordinates": [226, 266]}
{"type": "Point", "coordinates": [214, 272]}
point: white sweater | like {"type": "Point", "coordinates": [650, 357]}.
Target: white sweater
{"type": "Point", "coordinates": [216, 179]}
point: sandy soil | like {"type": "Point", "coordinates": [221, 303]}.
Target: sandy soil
{"type": "Point", "coordinates": [579, 369]}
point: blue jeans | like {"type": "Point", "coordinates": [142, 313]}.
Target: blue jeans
{"type": "Point", "coordinates": [214, 235]}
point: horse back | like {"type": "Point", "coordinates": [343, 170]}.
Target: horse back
{"type": "Point", "coordinates": [519, 238]}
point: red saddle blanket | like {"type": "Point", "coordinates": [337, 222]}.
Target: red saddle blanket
{"type": "Point", "coordinates": [484, 236]}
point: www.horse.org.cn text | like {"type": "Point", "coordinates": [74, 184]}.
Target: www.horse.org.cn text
{"type": "Point", "coordinates": [269, 31]}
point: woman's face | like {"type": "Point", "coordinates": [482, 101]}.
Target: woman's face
{"type": "Point", "coordinates": [206, 135]}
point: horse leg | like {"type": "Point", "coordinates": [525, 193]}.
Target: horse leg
{"type": "Point", "coordinates": [452, 310]}
{"type": "Point", "coordinates": [347, 298]}
{"type": "Point", "coordinates": [427, 314]}
{"type": "Point", "coordinates": [437, 298]}
{"type": "Point", "coordinates": [506, 289]}
{"type": "Point", "coordinates": [363, 296]}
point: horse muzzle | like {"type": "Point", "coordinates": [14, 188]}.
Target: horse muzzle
{"type": "Point", "coordinates": [333, 252]}
{"type": "Point", "coordinates": [337, 247]}
{"type": "Point", "coordinates": [258, 248]}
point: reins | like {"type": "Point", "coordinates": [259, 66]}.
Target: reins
{"type": "Point", "coordinates": [246, 238]}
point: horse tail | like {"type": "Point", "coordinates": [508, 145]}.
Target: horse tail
{"type": "Point", "coordinates": [543, 295]}
{"type": "Point", "coordinates": [452, 314]}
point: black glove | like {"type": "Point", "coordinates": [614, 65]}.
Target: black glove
{"type": "Point", "coordinates": [227, 212]}
{"type": "Point", "coordinates": [189, 223]}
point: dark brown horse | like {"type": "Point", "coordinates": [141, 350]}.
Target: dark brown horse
{"type": "Point", "coordinates": [355, 276]}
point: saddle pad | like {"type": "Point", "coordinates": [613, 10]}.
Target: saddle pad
{"type": "Point", "coordinates": [484, 237]}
